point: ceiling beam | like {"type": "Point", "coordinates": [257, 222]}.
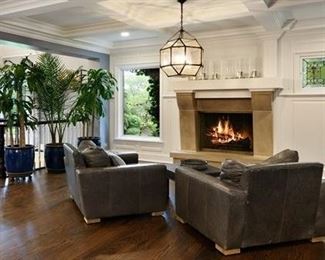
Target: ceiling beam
{"type": "Point", "coordinates": [270, 19]}
{"type": "Point", "coordinates": [15, 9]}
{"type": "Point", "coordinates": [280, 4]}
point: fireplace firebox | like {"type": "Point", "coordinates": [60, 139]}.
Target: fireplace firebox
{"type": "Point", "coordinates": [226, 131]}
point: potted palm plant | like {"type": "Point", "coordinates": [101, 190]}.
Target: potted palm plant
{"type": "Point", "coordinates": [16, 105]}
{"type": "Point", "coordinates": [53, 85]}
{"type": "Point", "coordinates": [96, 86]}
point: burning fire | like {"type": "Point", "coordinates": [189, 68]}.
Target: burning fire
{"type": "Point", "coordinates": [224, 133]}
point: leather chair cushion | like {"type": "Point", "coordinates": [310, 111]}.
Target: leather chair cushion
{"type": "Point", "coordinates": [115, 159]}
{"type": "Point", "coordinates": [232, 170]}
{"type": "Point", "coordinates": [96, 157]}
{"type": "Point", "coordinates": [84, 144]}
{"type": "Point", "coordinates": [285, 156]}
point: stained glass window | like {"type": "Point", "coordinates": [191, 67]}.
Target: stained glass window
{"type": "Point", "coordinates": [313, 72]}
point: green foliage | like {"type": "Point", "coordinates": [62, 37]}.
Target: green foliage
{"type": "Point", "coordinates": [96, 85]}
{"type": "Point", "coordinates": [54, 87]}
{"type": "Point", "coordinates": [139, 106]}
{"type": "Point", "coordinates": [15, 103]}
{"type": "Point", "coordinates": [154, 93]}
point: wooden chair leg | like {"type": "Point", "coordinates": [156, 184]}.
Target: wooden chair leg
{"type": "Point", "coordinates": [233, 251]}
{"type": "Point", "coordinates": [179, 219]}
{"type": "Point", "coordinates": [318, 239]}
{"type": "Point", "coordinates": [157, 214]}
{"type": "Point", "coordinates": [91, 220]}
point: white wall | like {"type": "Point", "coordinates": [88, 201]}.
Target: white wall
{"type": "Point", "coordinates": [215, 51]}
{"type": "Point", "coordinates": [299, 118]}
{"type": "Point", "coordinates": [299, 115]}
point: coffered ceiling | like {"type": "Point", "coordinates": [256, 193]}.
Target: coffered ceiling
{"type": "Point", "coordinates": [97, 24]}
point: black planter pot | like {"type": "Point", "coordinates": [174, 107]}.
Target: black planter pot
{"type": "Point", "coordinates": [54, 158]}
{"type": "Point", "coordinates": [19, 161]}
{"type": "Point", "coordinates": [95, 139]}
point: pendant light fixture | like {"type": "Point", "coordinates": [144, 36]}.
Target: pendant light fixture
{"type": "Point", "coordinates": [182, 53]}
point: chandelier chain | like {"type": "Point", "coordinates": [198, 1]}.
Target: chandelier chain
{"type": "Point", "coordinates": [182, 16]}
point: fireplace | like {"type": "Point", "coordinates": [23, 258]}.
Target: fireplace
{"type": "Point", "coordinates": [216, 128]}
{"type": "Point", "coordinates": [226, 131]}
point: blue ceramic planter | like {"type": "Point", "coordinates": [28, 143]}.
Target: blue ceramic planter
{"type": "Point", "coordinates": [95, 139]}
{"type": "Point", "coordinates": [54, 158]}
{"type": "Point", "coordinates": [19, 161]}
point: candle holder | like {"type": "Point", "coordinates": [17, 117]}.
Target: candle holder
{"type": "Point", "coordinates": [240, 75]}
{"type": "Point", "coordinates": [253, 74]}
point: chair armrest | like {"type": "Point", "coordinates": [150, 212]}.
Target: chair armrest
{"type": "Point", "coordinates": [122, 190]}
{"type": "Point", "coordinates": [215, 208]}
{"type": "Point", "coordinates": [129, 157]}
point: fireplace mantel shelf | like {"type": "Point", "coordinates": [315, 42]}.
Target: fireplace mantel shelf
{"type": "Point", "coordinates": [247, 84]}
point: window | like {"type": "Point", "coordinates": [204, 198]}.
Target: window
{"type": "Point", "coordinates": [309, 72]}
{"type": "Point", "coordinates": [313, 72]}
{"type": "Point", "coordinates": [141, 102]}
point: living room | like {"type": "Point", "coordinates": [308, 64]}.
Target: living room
{"type": "Point", "coordinates": [263, 62]}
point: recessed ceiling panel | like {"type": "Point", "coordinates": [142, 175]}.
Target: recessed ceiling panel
{"type": "Point", "coordinates": [226, 24]}
{"type": "Point", "coordinates": [105, 38]}
{"type": "Point", "coordinates": [72, 17]}
{"type": "Point", "coordinates": [312, 11]}
{"type": "Point", "coordinates": [165, 13]}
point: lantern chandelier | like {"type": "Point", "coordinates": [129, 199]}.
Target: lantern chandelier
{"type": "Point", "coordinates": [182, 53]}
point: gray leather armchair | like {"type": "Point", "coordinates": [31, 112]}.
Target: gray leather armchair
{"type": "Point", "coordinates": [114, 191]}
{"type": "Point", "coordinates": [272, 204]}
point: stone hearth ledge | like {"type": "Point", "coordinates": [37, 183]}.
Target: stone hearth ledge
{"type": "Point", "coordinates": [215, 158]}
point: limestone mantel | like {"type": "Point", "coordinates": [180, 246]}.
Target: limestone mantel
{"type": "Point", "coordinates": [228, 87]}
{"type": "Point", "coordinates": [219, 96]}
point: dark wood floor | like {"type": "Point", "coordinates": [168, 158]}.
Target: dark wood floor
{"type": "Point", "coordinates": [39, 221]}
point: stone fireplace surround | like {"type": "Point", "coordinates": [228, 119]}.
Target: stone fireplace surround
{"type": "Point", "coordinates": [193, 99]}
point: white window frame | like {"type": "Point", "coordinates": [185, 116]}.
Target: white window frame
{"type": "Point", "coordinates": [119, 106]}
{"type": "Point", "coordinates": [298, 73]}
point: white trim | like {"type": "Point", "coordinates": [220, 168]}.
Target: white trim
{"type": "Point", "coordinates": [136, 138]}
{"type": "Point", "coordinates": [254, 84]}
{"type": "Point", "coordinates": [307, 95]}
{"type": "Point", "coordinates": [35, 34]}
{"type": "Point", "coordinates": [298, 73]}
{"type": "Point", "coordinates": [119, 135]}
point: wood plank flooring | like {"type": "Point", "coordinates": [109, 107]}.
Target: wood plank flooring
{"type": "Point", "coordinates": [39, 221]}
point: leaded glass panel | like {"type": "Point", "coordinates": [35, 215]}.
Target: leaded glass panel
{"type": "Point", "coordinates": [313, 72]}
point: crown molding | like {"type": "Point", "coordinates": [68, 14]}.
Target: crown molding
{"type": "Point", "coordinates": [23, 6]}
{"type": "Point", "coordinates": [108, 26]}
{"type": "Point", "coordinates": [238, 32]}
{"type": "Point", "coordinates": [26, 31]}
{"type": "Point", "coordinates": [309, 24]}
{"type": "Point", "coordinates": [221, 35]}
{"type": "Point", "coordinates": [273, 35]}
{"type": "Point", "coordinates": [31, 24]}
{"type": "Point", "coordinates": [67, 32]}
{"type": "Point", "coordinates": [279, 5]}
